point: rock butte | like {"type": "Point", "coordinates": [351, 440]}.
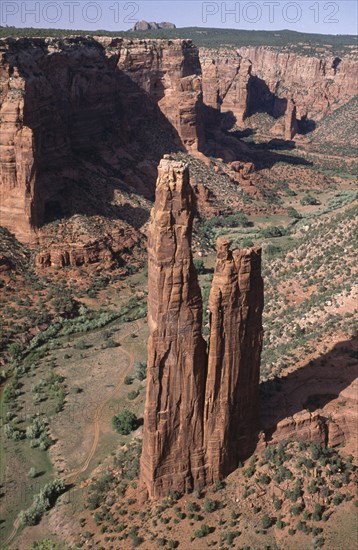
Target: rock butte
{"type": "Point", "coordinates": [201, 416]}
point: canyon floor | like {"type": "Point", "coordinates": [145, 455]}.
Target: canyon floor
{"type": "Point", "coordinates": [76, 354]}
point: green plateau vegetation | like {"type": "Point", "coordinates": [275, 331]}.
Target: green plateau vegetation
{"type": "Point", "coordinates": [210, 37]}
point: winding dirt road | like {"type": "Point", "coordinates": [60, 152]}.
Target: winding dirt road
{"type": "Point", "coordinates": [72, 476]}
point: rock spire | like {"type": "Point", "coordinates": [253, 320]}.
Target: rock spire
{"type": "Point", "coordinates": [201, 412]}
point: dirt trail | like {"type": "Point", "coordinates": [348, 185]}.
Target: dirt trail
{"type": "Point", "coordinates": [72, 476]}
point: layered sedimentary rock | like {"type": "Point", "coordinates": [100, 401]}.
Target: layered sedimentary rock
{"type": "Point", "coordinates": [197, 423]}
{"type": "Point", "coordinates": [80, 108]}
{"type": "Point", "coordinates": [173, 453]}
{"type": "Point", "coordinates": [318, 84]}
{"type": "Point", "coordinates": [105, 249]}
{"type": "Point", "coordinates": [231, 399]}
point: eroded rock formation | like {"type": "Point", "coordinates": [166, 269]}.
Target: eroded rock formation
{"type": "Point", "coordinates": [253, 79]}
{"type": "Point", "coordinates": [146, 26]}
{"type": "Point", "coordinates": [197, 424]}
{"type": "Point", "coordinates": [80, 113]}
{"type": "Point", "coordinates": [231, 400]}
{"type": "Point", "coordinates": [173, 453]}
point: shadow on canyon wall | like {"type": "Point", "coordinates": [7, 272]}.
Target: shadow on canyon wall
{"type": "Point", "coordinates": [92, 127]}
{"type": "Point", "coordinates": [229, 145]}
{"type": "Point", "coordinates": [262, 100]}
{"type": "Point", "coordinates": [309, 388]}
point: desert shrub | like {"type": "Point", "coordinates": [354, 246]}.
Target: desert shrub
{"type": "Point", "coordinates": [202, 532]}
{"type": "Point", "coordinates": [277, 502]}
{"type": "Point", "coordinates": [133, 394]}
{"type": "Point", "coordinates": [48, 544]}
{"type": "Point", "coordinates": [338, 498]}
{"type": "Point", "coordinates": [36, 429]}
{"type": "Point", "coordinates": [266, 521]}
{"type": "Point", "coordinates": [312, 487]}
{"type": "Point", "coordinates": [218, 485]}
{"type": "Point", "coordinates": [317, 513]}
{"type": "Point", "coordinates": [249, 472]}
{"type": "Point", "coordinates": [15, 349]}
{"type": "Point", "coordinates": [247, 243]}
{"type": "Point", "coordinates": [279, 523]}
{"type": "Point", "coordinates": [210, 505]}
{"type": "Point", "coordinates": [292, 212]}
{"type": "Point", "coordinates": [193, 507]}
{"type": "Point", "coordinates": [273, 231]}
{"type": "Point", "coordinates": [137, 541]}
{"type": "Point", "coordinates": [128, 380]}
{"type": "Point", "coordinates": [141, 371]}
{"type": "Point", "coordinates": [125, 422]}
{"type": "Point", "coordinates": [309, 200]}
{"type": "Point", "coordinates": [110, 343]}
{"type": "Point", "coordinates": [42, 502]}
{"type": "Point", "coordinates": [199, 266]}
{"type": "Point", "coordinates": [99, 490]}
{"type": "Point", "coordinates": [229, 536]}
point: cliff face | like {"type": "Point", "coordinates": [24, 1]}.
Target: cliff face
{"type": "Point", "coordinates": [197, 424]}
{"type": "Point", "coordinates": [231, 400]}
{"type": "Point", "coordinates": [253, 79]}
{"type": "Point", "coordinates": [173, 455]}
{"type": "Point", "coordinates": [76, 109]}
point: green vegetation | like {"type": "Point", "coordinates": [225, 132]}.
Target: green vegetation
{"type": "Point", "coordinates": [211, 37]}
{"type": "Point", "coordinates": [125, 422]}
{"type": "Point", "coordinates": [42, 502]}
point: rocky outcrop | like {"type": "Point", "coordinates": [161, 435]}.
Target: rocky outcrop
{"type": "Point", "coordinates": [231, 400]}
{"type": "Point", "coordinates": [81, 109]}
{"type": "Point", "coordinates": [173, 453]}
{"type": "Point", "coordinates": [145, 26]}
{"type": "Point", "coordinates": [197, 423]}
{"type": "Point", "coordinates": [107, 249]}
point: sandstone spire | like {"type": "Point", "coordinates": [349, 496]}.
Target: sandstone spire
{"type": "Point", "coordinates": [199, 420]}
{"type": "Point", "coordinates": [231, 401]}
{"type": "Point", "coordinates": [173, 455]}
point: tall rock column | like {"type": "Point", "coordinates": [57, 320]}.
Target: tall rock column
{"type": "Point", "coordinates": [231, 401]}
{"type": "Point", "coordinates": [290, 120]}
{"type": "Point", "coordinates": [173, 454]}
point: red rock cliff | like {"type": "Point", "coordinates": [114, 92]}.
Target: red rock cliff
{"type": "Point", "coordinates": [173, 454]}
{"type": "Point", "coordinates": [238, 80]}
{"type": "Point", "coordinates": [79, 109]}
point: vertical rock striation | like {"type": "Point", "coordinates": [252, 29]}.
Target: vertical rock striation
{"type": "Point", "coordinates": [173, 455]}
{"type": "Point", "coordinates": [231, 400]}
{"type": "Point", "coordinates": [197, 424]}
{"type": "Point", "coordinates": [78, 108]}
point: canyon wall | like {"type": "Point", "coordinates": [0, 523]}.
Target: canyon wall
{"type": "Point", "coordinates": [82, 109]}
{"type": "Point", "coordinates": [85, 120]}
{"type": "Point", "coordinates": [254, 79]}
{"type": "Point", "coordinates": [201, 416]}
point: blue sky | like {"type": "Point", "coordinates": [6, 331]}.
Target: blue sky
{"type": "Point", "coordinates": [320, 16]}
